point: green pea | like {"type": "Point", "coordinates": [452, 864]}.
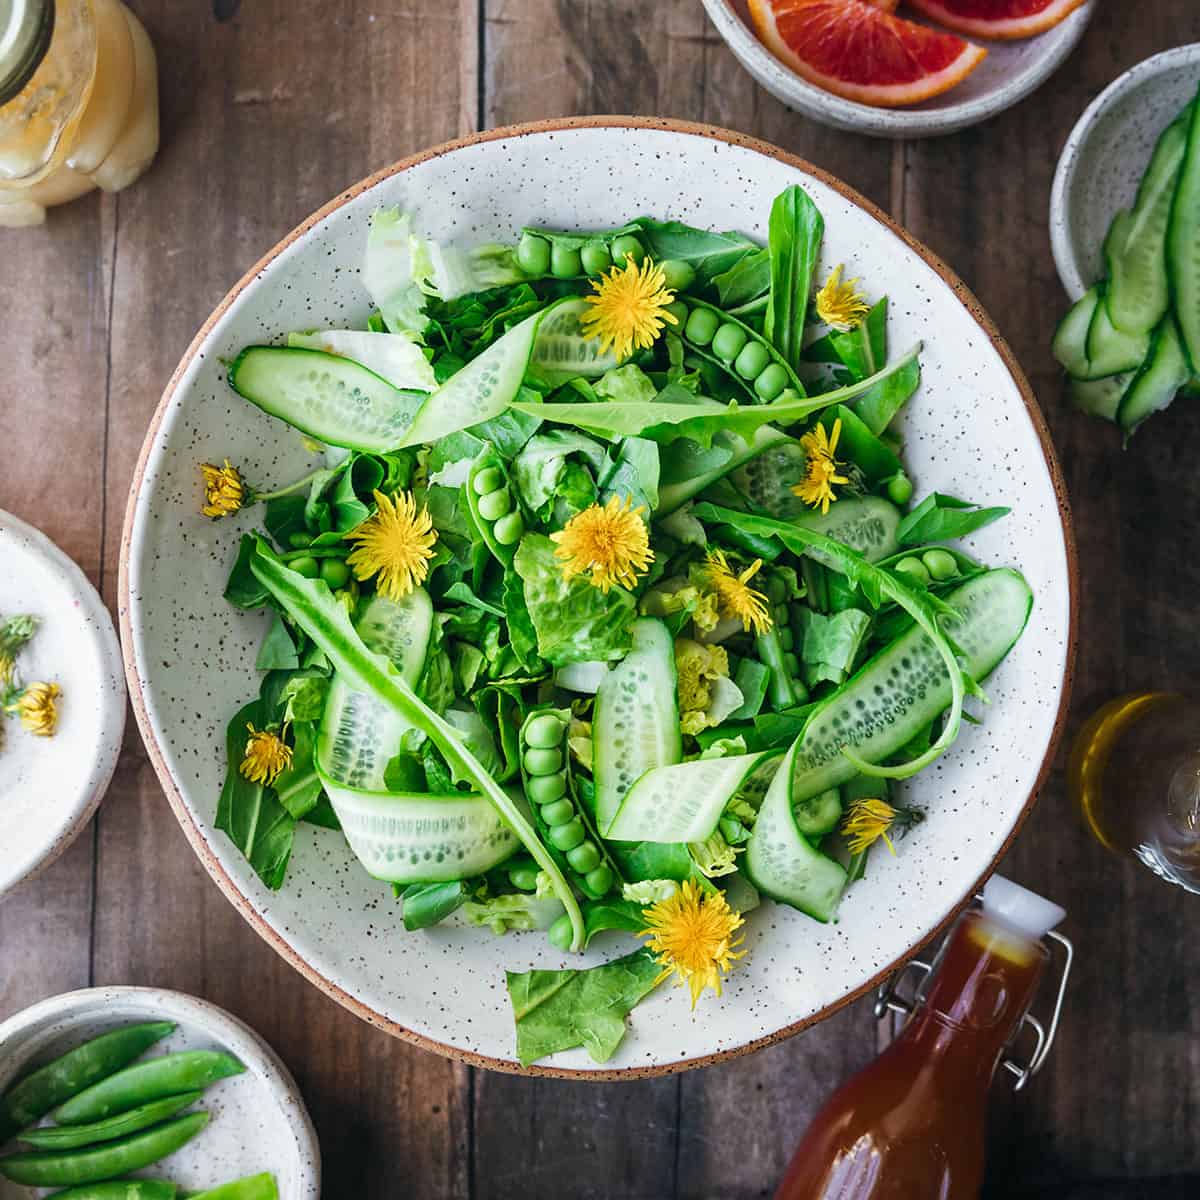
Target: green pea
{"type": "Point", "coordinates": [787, 639]}
{"type": "Point", "coordinates": [595, 258]}
{"type": "Point", "coordinates": [701, 327]}
{"type": "Point", "coordinates": [561, 933]}
{"type": "Point", "coordinates": [490, 479]}
{"type": "Point", "coordinates": [335, 572]}
{"type": "Point", "coordinates": [299, 539]}
{"type": "Point", "coordinates": [508, 530]}
{"type": "Point", "coordinates": [523, 878]}
{"type": "Point", "coordinates": [546, 789]}
{"type": "Point", "coordinates": [752, 361]}
{"type": "Point", "coordinates": [791, 663]}
{"type": "Point", "coordinates": [599, 881]}
{"type": "Point", "coordinates": [495, 505]}
{"type": "Point", "coordinates": [533, 254]}
{"type": "Point", "coordinates": [627, 246]}
{"type": "Point", "coordinates": [679, 311]}
{"type": "Point", "coordinates": [543, 762]}
{"type": "Point", "coordinates": [584, 858]}
{"type": "Point", "coordinates": [678, 275]}
{"type": "Point", "coordinates": [558, 812]}
{"type": "Point", "coordinates": [771, 382]}
{"type": "Point", "coordinates": [545, 732]}
{"type": "Point", "coordinates": [565, 263]}
{"type": "Point", "coordinates": [306, 566]}
{"type": "Point", "coordinates": [567, 837]}
{"type": "Point", "coordinates": [728, 342]}
{"type": "Point", "coordinates": [941, 564]}
{"type": "Point", "coordinates": [900, 488]}
{"type": "Point", "coordinates": [914, 568]}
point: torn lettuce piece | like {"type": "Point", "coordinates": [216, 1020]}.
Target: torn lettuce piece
{"type": "Point", "coordinates": [389, 275]}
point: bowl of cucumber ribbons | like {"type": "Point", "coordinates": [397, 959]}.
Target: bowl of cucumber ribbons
{"type": "Point", "coordinates": [598, 596]}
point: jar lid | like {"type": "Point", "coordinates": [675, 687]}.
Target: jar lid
{"type": "Point", "coordinates": [26, 27]}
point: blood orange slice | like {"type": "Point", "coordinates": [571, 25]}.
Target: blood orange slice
{"type": "Point", "coordinates": [861, 52]}
{"type": "Point", "coordinates": [1002, 19]}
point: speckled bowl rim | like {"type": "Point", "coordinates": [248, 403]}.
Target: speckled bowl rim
{"type": "Point", "coordinates": [783, 83]}
{"type": "Point", "coordinates": [1061, 243]}
{"type": "Point", "coordinates": [113, 728]}
{"type": "Point", "coordinates": [231, 1032]}
{"type": "Point", "coordinates": [209, 859]}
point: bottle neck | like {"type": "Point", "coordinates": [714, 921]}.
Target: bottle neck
{"type": "Point", "coordinates": [26, 29]}
{"type": "Point", "coordinates": [981, 989]}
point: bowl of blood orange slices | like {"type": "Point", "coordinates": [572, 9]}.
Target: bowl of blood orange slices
{"type": "Point", "coordinates": [901, 68]}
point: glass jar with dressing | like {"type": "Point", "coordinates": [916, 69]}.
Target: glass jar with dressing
{"type": "Point", "coordinates": [78, 103]}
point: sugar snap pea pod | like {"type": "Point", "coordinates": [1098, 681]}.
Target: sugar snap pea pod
{"type": "Point", "coordinates": [66, 1168]}
{"type": "Point", "coordinates": [252, 1187]}
{"type": "Point", "coordinates": [564, 825]}
{"type": "Point", "coordinates": [121, 1189]}
{"type": "Point", "coordinates": [71, 1137]}
{"type": "Point", "coordinates": [493, 505]}
{"type": "Point", "coordinates": [33, 1097]}
{"type": "Point", "coordinates": [153, 1079]}
{"type": "Point", "coordinates": [312, 606]}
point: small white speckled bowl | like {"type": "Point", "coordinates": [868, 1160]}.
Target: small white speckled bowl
{"type": "Point", "coordinates": [50, 787]}
{"type": "Point", "coordinates": [1107, 154]}
{"type": "Point", "coordinates": [259, 1122]}
{"type": "Point", "coordinates": [1011, 71]}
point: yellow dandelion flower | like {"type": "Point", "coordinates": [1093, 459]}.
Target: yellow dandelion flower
{"type": "Point", "coordinates": [629, 309]}
{"type": "Point", "coordinates": [691, 936]}
{"type": "Point", "coordinates": [610, 541]}
{"type": "Point", "coordinates": [840, 304]}
{"type": "Point", "coordinates": [38, 708]}
{"type": "Point", "coordinates": [224, 490]}
{"type": "Point", "coordinates": [816, 488]}
{"type": "Point", "coordinates": [267, 756]}
{"type": "Point", "coordinates": [396, 543]}
{"type": "Point", "coordinates": [867, 822]}
{"type": "Point", "coordinates": [696, 668]}
{"type": "Point", "coordinates": [734, 593]}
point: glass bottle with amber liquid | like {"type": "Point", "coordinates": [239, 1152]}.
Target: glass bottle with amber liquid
{"type": "Point", "coordinates": [1134, 773]}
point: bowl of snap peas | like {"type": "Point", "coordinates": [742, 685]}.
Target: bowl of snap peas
{"type": "Point", "coordinates": [145, 1094]}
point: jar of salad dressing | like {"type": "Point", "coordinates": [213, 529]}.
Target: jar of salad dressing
{"type": "Point", "coordinates": [78, 103]}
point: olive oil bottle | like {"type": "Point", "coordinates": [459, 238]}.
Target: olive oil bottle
{"type": "Point", "coordinates": [1134, 772]}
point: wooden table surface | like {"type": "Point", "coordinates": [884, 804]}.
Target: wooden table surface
{"type": "Point", "coordinates": [269, 108]}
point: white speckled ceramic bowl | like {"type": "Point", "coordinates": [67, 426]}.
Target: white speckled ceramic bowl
{"type": "Point", "coordinates": [50, 787]}
{"type": "Point", "coordinates": [259, 1122]}
{"type": "Point", "coordinates": [1011, 71]}
{"type": "Point", "coordinates": [1106, 155]}
{"type": "Point", "coordinates": [973, 430]}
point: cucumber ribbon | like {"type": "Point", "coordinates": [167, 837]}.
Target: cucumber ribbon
{"type": "Point", "coordinates": [311, 605]}
{"type": "Point", "coordinates": [926, 610]}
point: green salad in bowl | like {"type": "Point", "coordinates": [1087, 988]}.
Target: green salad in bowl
{"type": "Point", "coordinates": [612, 606]}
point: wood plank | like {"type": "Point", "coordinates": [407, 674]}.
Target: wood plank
{"type": "Point", "coordinates": [266, 115]}
{"type": "Point", "coordinates": [1122, 1083]}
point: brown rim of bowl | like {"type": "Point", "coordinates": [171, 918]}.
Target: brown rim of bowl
{"type": "Point", "coordinates": [214, 868]}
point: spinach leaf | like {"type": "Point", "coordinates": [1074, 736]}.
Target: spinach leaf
{"type": "Point", "coordinates": [633, 475]}
{"type": "Point", "coordinates": [426, 904]}
{"type": "Point", "coordinates": [243, 590]}
{"type": "Point", "coordinates": [795, 229]}
{"type": "Point", "coordinates": [747, 280]}
{"type": "Point", "coordinates": [573, 621]}
{"type": "Point", "coordinates": [278, 650]}
{"type": "Point", "coordinates": [857, 444]}
{"type": "Point", "coordinates": [708, 253]}
{"type": "Point", "coordinates": [510, 430]}
{"type": "Point", "coordinates": [284, 516]}
{"type": "Point", "coordinates": [602, 915]}
{"type": "Point", "coordinates": [941, 518]}
{"type": "Point", "coordinates": [886, 395]}
{"type": "Point", "coordinates": [861, 350]}
{"type": "Point", "coordinates": [260, 827]}
{"type": "Point", "coordinates": [299, 787]}
{"type": "Point", "coordinates": [322, 814]}
{"type": "Point", "coordinates": [559, 1010]}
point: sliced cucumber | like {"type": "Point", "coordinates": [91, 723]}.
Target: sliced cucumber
{"type": "Point", "coordinates": [767, 480]}
{"type": "Point", "coordinates": [326, 396]}
{"type": "Point", "coordinates": [683, 802]}
{"type": "Point", "coordinates": [1158, 382]}
{"type": "Point", "coordinates": [1101, 397]}
{"type": "Point", "coordinates": [1110, 350]}
{"type": "Point", "coordinates": [396, 357]}
{"type": "Point", "coordinates": [1070, 340]}
{"type": "Point", "coordinates": [819, 814]}
{"type": "Point", "coordinates": [782, 863]}
{"type": "Point", "coordinates": [1138, 294]}
{"type": "Point", "coordinates": [420, 838]}
{"type": "Point", "coordinates": [867, 524]}
{"type": "Point", "coordinates": [1183, 244]}
{"type": "Point", "coordinates": [562, 350]}
{"type": "Point", "coordinates": [359, 734]}
{"type": "Point", "coordinates": [635, 727]}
